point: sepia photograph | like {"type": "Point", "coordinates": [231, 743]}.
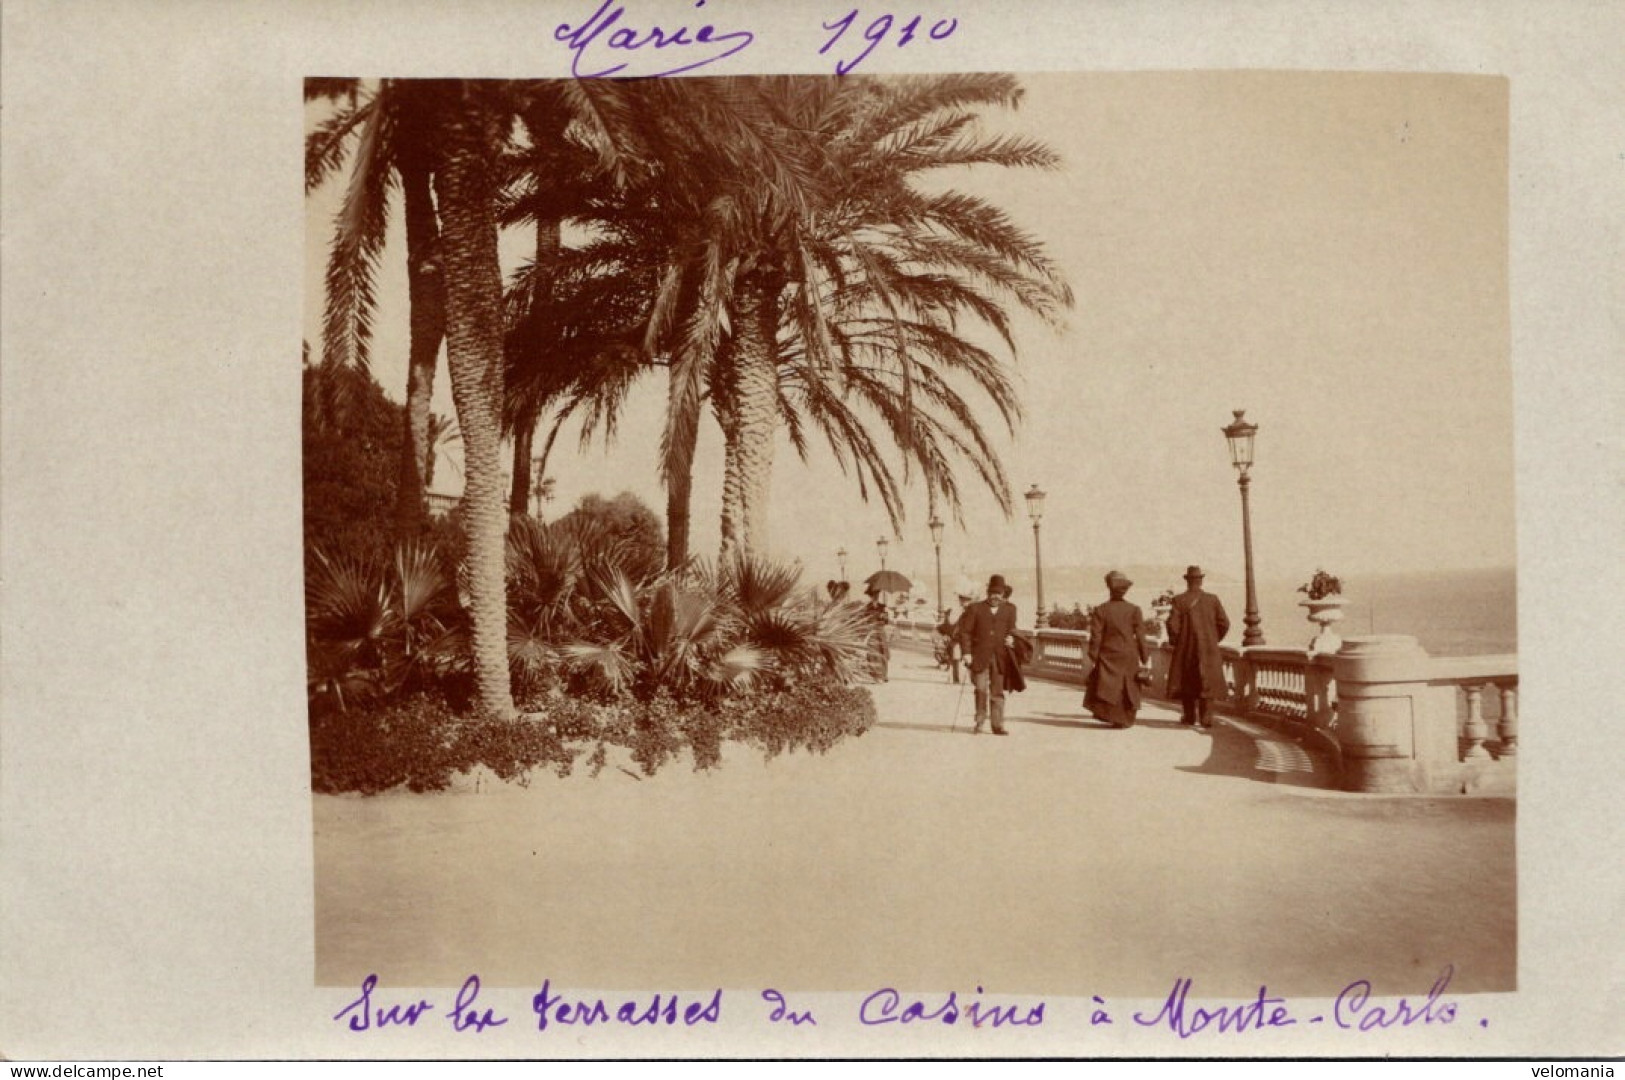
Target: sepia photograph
{"type": "Point", "coordinates": [694, 468]}
{"type": "Point", "coordinates": [809, 532]}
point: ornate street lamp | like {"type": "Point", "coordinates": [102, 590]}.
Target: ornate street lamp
{"type": "Point", "coordinates": [935, 524]}
{"type": "Point", "coordinates": [881, 545]}
{"type": "Point", "coordinates": [840, 554]}
{"type": "Point", "coordinates": [1035, 510]}
{"type": "Point", "coordinates": [1240, 436]}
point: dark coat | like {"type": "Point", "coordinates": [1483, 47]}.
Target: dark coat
{"type": "Point", "coordinates": [1196, 625]}
{"type": "Point", "coordinates": [982, 632]}
{"type": "Point", "coordinates": [1117, 648]}
{"type": "Point", "coordinates": [1012, 660]}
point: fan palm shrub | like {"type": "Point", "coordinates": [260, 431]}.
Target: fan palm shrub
{"type": "Point", "coordinates": [376, 627]}
{"type": "Point", "coordinates": [604, 645]}
{"type": "Point", "coordinates": [703, 635]}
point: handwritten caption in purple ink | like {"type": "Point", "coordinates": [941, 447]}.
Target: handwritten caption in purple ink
{"type": "Point", "coordinates": [877, 31]}
{"type": "Point", "coordinates": [603, 38]}
{"type": "Point", "coordinates": [612, 42]}
{"type": "Point", "coordinates": [1356, 1009]}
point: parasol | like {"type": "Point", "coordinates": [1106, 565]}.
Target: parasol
{"type": "Point", "coordinates": [886, 581]}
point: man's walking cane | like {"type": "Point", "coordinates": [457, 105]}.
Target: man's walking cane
{"type": "Point", "coordinates": [960, 700]}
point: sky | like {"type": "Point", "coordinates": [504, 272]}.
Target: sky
{"type": "Point", "coordinates": [1326, 251]}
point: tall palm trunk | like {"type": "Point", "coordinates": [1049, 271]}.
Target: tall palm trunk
{"type": "Point", "coordinates": [679, 476]}
{"type": "Point", "coordinates": [548, 242]}
{"type": "Point", "coordinates": [755, 421]}
{"type": "Point", "coordinates": [426, 294]}
{"type": "Point", "coordinates": [723, 394]}
{"type": "Point", "coordinates": [466, 190]}
{"type": "Point", "coordinates": [524, 441]}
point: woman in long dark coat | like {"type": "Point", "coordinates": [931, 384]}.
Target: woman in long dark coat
{"type": "Point", "coordinates": [1117, 652]}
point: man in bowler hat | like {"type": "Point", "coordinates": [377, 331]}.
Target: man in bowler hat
{"type": "Point", "coordinates": [1196, 625]}
{"type": "Point", "coordinates": [987, 629]}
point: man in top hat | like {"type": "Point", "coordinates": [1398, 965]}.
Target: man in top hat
{"type": "Point", "coordinates": [1196, 625]}
{"type": "Point", "coordinates": [987, 629]}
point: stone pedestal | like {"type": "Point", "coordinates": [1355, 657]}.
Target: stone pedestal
{"type": "Point", "coordinates": [1158, 635]}
{"type": "Point", "coordinates": [1396, 733]}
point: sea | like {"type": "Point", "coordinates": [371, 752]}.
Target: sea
{"type": "Point", "coordinates": [1450, 612]}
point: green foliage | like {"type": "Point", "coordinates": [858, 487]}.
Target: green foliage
{"type": "Point", "coordinates": [352, 437]}
{"type": "Point", "coordinates": [622, 528]}
{"type": "Point", "coordinates": [1076, 619]}
{"type": "Point", "coordinates": [1321, 586]}
{"type": "Point", "coordinates": [419, 743]}
{"type": "Point", "coordinates": [655, 666]}
{"type": "Point", "coordinates": [813, 716]}
{"type": "Point", "coordinates": [376, 627]}
{"type": "Point", "coordinates": [372, 750]}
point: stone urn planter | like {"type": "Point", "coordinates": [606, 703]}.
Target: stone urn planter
{"type": "Point", "coordinates": [1324, 601]}
{"type": "Point", "coordinates": [1161, 608]}
{"type": "Point", "coordinates": [1325, 613]}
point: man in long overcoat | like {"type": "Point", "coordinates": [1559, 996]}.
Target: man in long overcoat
{"type": "Point", "coordinates": [1196, 625]}
{"type": "Point", "coordinates": [986, 633]}
{"type": "Point", "coordinates": [1117, 652]}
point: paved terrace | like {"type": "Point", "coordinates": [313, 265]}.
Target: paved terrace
{"type": "Point", "coordinates": [1069, 858]}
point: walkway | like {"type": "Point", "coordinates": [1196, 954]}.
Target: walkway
{"type": "Point", "coordinates": [1070, 858]}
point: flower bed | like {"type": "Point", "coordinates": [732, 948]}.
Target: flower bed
{"type": "Point", "coordinates": [418, 743]}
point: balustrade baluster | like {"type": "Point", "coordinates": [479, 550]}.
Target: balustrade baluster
{"type": "Point", "coordinates": [1507, 729]}
{"type": "Point", "coordinates": [1473, 729]}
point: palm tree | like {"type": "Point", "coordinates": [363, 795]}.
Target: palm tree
{"type": "Point", "coordinates": [858, 227]}
{"type": "Point", "coordinates": [470, 121]}
{"type": "Point", "coordinates": [389, 132]}
{"type": "Point", "coordinates": [626, 302]}
{"type": "Point", "coordinates": [735, 253]}
{"type": "Point", "coordinates": [442, 432]}
{"type": "Point", "coordinates": [553, 177]}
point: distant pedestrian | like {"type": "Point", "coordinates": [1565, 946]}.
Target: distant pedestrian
{"type": "Point", "coordinates": [948, 629]}
{"type": "Point", "coordinates": [1196, 625]}
{"type": "Point", "coordinates": [1117, 655]}
{"type": "Point", "coordinates": [986, 634]}
{"type": "Point", "coordinates": [879, 616]}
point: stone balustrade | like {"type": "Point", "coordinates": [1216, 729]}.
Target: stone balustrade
{"type": "Point", "coordinates": [1060, 654]}
{"type": "Point", "coordinates": [1390, 717]}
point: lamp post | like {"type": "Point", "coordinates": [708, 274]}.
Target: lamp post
{"type": "Point", "coordinates": [537, 486]}
{"type": "Point", "coordinates": [840, 555]}
{"type": "Point", "coordinates": [935, 525]}
{"type": "Point", "coordinates": [881, 545]}
{"type": "Point", "coordinates": [1035, 510]}
{"type": "Point", "coordinates": [1240, 434]}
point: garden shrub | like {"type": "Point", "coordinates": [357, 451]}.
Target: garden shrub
{"type": "Point", "coordinates": [813, 716]}
{"type": "Point", "coordinates": [417, 741]}
{"type": "Point", "coordinates": [599, 659]}
{"type": "Point", "coordinates": [374, 749]}
{"type": "Point", "coordinates": [1061, 619]}
{"type": "Point", "coordinates": [352, 436]}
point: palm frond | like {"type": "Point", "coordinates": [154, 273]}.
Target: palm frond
{"type": "Point", "coordinates": [357, 242]}
{"type": "Point", "coordinates": [324, 147]}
